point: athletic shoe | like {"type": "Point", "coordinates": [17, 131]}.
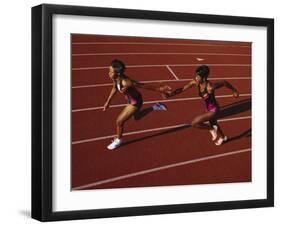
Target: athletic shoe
{"type": "Point", "coordinates": [115, 144]}
{"type": "Point", "coordinates": [221, 140]}
{"type": "Point", "coordinates": [159, 107]}
{"type": "Point", "coordinates": [214, 132]}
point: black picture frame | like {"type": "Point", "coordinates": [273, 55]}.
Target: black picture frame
{"type": "Point", "coordinates": [42, 111]}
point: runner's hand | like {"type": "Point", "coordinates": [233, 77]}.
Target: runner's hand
{"type": "Point", "coordinates": [236, 94]}
{"type": "Point", "coordinates": [106, 106]}
{"type": "Point", "coordinates": [164, 88]}
{"type": "Point", "coordinates": [165, 91]}
{"type": "Point", "coordinates": [166, 95]}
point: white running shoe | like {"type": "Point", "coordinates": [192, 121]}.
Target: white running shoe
{"type": "Point", "coordinates": [159, 107]}
{"type": "Point", "coordinates": [115, 144]}
{"type": "Point", "coordinates": [214, 132]}
{"type": "Point", "coordinates": [221, 140]}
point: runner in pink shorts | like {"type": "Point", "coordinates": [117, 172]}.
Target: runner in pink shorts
{"type": "Point", "coordinates": [129, 88]}
{"type": "Point", "coordinates": [206, 89]}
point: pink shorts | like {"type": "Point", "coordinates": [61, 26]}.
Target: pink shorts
{"type": "Point", "coordinates": [213, 108]}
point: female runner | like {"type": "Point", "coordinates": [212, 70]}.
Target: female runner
{"type": "Point", "coordinates": [128, 88]}
{"type": "Point", "coordinates": [206, 90]}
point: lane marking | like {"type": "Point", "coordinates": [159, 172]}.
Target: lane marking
{"type": "Point", "coordinates": [156, 101]}
{"type": "Point", "coordinates": [158, 43]}
{"type": "Point", "coordinates": [152, 130]}
{"type": "Point", "coordinates": [156, 81]}
{"type": "Point", "coordinates": [159, 53]}
{"type": "Point", "coordinates": [173, 73]}
{"type": "Point", "coordinates": [126, 176]}
{"type": "Point", "coordinates": [163, 65]}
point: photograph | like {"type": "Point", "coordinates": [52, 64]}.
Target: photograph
{"type": "Point", "coordinates": [150, 111]}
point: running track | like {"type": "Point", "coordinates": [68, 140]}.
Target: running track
{"type": "Point", "coordinates": [161, 148]}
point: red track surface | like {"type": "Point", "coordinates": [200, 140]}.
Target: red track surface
{"type": "Point", "coordinates": [141, 161]}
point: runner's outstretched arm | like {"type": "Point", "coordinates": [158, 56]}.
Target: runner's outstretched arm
{"type": "Point", "coordinates": [182, 89]}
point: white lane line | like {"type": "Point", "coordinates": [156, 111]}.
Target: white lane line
{"type": "Point", "coordinates": [156, 101]}
{"type": "Point", "coordinates": [152, 130]}
{"type": "Point", "coordinates": [163, 65]}
{"type": "Point", "coordinates": [173, 73]}
{"type": "Point", "coordinates": [159, 53]}
{"type": "Point", "coordinates": [158, 43]}
{"type": "Point", "coordinates": [159, 81]}
{"type": "Point", "coordinates": [161, 168]}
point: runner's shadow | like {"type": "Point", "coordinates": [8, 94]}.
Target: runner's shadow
{"type": "Point", "coordinates": [235, 108]}
{"type": "Point", "coordinates": [227, 110]}
{"type": "Point", "coordinates": [247, 133]}
{"type": "Point", "coordinates": [174, 130]}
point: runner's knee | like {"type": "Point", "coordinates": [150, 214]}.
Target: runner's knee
{"type": "Point", "coordinates": [195, 123]}
{"type": "Point", "coordinates": [119, 122]}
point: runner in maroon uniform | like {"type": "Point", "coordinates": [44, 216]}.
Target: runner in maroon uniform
{"type": "Point", "coordinates": [207, 91]}
{"type": "Point", "coordinates": [128, 88]}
